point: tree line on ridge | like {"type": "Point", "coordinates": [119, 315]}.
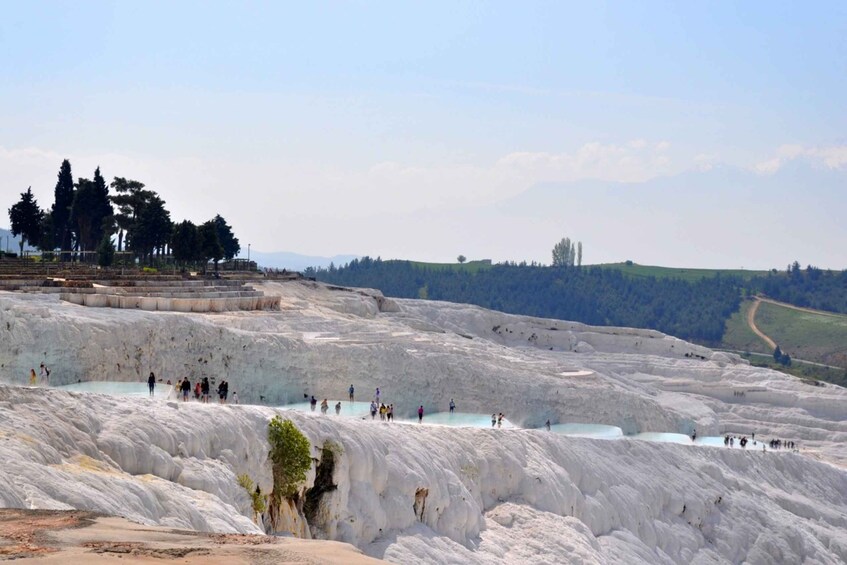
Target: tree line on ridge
{"type": "Point", "coordinates": [85, 218]}
{"type": "Point", "coordinates": [693, 310]}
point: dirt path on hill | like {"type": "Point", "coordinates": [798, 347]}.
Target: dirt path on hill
{"type": "Point", "coordinates": [751, 321]}
{"type": "Point", "coordinates": [798, 308]}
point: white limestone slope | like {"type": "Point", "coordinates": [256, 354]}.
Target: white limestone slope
{"type": "Point", "coordinates": [492, 495]}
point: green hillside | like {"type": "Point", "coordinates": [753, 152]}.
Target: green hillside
{"type": "Point", "coordinates": [739, 336]}
{"type": "Point", "coordinates": [467, 267]}
{"type": "Point", "coordinates": [820, 337]}
{"type": "Point", "coordinates": [635, 270]}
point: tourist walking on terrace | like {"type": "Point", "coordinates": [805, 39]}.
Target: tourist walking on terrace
{"type": "Point", "coordinates": [377, 395]}
{"type": "Point", "coordinates": [235, 397]}
{"type": "Point", "coordinates": [338, 408]}
{"type": "Point", "coordinates": [324, 406]}
{"type": "Point", "coordinates": [547, 425]}
{"type": "Point", "coordinates": [151, 382]}
{"type": "Point", "coordinates": [351, 391]}
{"type": "Point", "coordinates": [452, 406]}
{"type": "Point", "coordinates": [313, 403]}
{"type": "Point", "coordinates": [45, 374]}
{"type": "Point", "coordinates": [420, 414]}
{"type": "Point", "coordinates": [186, 389]}
{"type": "Point", "coordinates": [493, 420]}
{"type": "Point", "coordinates": [373, 409]}
{"type": "Point", "coordinates": [204, 390]}
{"type": "Point", "coordinates": [32, 377]}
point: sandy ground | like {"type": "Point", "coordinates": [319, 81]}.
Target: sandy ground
{"type": "Point", "coordinates": [75, 537]}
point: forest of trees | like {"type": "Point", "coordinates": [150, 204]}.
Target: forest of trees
{"type": "Point", "coordinates": [588, 294]}
{"type": "Point", "coordinates": [85, 218]}
{"type": "Point", "coordinates": [809, 288]}
{"type": "Point", "coordinates": [695, 310]}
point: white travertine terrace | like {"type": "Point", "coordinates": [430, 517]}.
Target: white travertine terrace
{"type": "Point", "coordinates": [430, 493]}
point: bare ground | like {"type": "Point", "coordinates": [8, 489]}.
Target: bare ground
{"type": "Point", "coordinates": [77, 537]}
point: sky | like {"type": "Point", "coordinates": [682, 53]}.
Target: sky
{"type": "Point", "coordinates": [406, 129]}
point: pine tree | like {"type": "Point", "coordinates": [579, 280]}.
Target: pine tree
{"type": "Point", "coordinates": [130, 198]}
{"type": "Point", "coordinates": [210, 244]}
{"type": "Point", "coordinates": [26, 218]}
{"type": "Point", "coordinates": [227, 239]}
{"type": "Point", "coordinates": [153, 228]}
{"type": "Point", "coordinates": [185, 242]}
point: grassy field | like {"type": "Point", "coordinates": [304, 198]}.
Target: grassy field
{"type": "Point", "coordinates": [809, 373]}
{"type": "Point", "coordinates": [817, 337]}
{"type": "Point", "coordinates": [636, 270]}
{"type": "Point", "coordinates": [738, 335]}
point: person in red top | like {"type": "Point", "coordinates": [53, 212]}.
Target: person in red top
{"type": "Point", "coordinates": [420, 414]}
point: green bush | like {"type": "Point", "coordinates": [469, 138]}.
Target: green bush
{"type": "Point", "coordinates": [291, 456]}
{"type": "Point", "coordinates": [259, 504]}
{"type": "Point", "coordinates": [105, 252]}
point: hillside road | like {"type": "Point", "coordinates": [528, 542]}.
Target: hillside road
{"type": "Point", "coordinates": [751, 321]}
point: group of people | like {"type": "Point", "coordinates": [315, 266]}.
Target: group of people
{"type": "Point", "coordinates": [202, 390]}
{"type": "Point", "coordinates": [45, 375]}
{"type": "Point", "coordinates": [385, 411]}
{"type": "Point", "coordinates": [779, 444]}
{"type": "Point", "coordinates": [729, 441]}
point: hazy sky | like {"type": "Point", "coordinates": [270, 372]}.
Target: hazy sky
{"type": "Point", "coordinates": [394, 128]}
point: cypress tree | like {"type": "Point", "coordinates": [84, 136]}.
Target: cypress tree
{"type": "Point", "coordinates": [91, 213]}
{"type": "Point", "coordinates": [63, 197]}
{"type": "Point", "coordinates": [103, 216]}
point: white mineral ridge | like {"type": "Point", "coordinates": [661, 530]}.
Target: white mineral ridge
{"type": "Point", "coordinates": [428, 493]}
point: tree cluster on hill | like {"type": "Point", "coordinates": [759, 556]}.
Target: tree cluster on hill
{"type": "Point", "coordinates": [567, 254]}
{"type": "Point", "coordinates": [781, 357]}
{"type": "Point", "coordinates": [809, 288]}
{"type": "Point", "coordinates": [690, 310]}
{"type": "Point", "coordinates": [85, 217]}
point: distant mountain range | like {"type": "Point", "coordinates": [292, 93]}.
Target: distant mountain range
{"type": "Point", "coordinates": [295, 261]}
{"type": "Point", "coordinates": [8, 242]}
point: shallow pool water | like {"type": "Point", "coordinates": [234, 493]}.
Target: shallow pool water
{"type": "Point", "coordinates": [715, 441]}
{"type": "Point", "coordinates": [588, 430]}
{"type": "Point", "coordinates": [118, 388]}
{"type": "Point", "coordinates": [664, 437]}
{"type": "Point", "coordinates": [463, 419]}
{"type": "Point", "coordinates": [348, 409]}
